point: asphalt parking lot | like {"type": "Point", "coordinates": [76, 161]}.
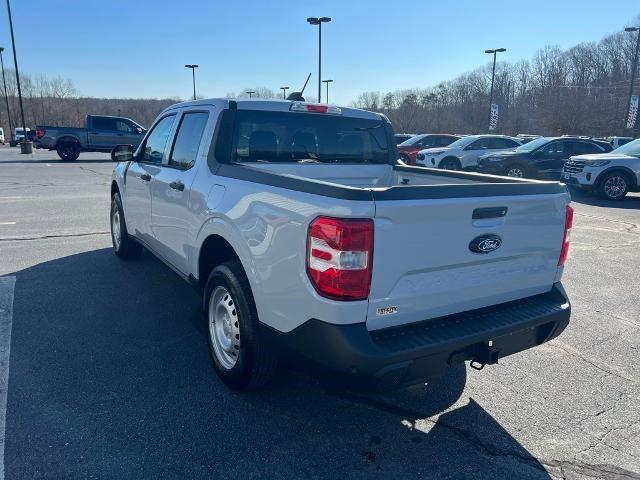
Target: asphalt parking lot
{"type": "Point", "coordinates": [109, 374]}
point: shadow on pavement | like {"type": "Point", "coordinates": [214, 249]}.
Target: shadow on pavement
{"type": "Point", "coordinates": [111, 378]}
{"type": "Point", "coordinates": [629, 202]}
{"type": "Point", "coordinates": [56, 161]}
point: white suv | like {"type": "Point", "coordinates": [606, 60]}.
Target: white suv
{"type": "Point", "coordinates": [463, 154]}
{"type": "Point", "coordinates": [611, 175]}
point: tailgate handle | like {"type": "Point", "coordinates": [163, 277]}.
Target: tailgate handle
{"type": "Point", "coordinates": [491, 212]}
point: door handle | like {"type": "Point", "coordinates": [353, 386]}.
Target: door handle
{"type": "Point", "coordinates": [177, 185]}
{"type": "Point", "coordinates": [146, 177]}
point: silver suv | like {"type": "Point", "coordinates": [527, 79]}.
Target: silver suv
{"type": "Point", "coordinates": [611, 175]}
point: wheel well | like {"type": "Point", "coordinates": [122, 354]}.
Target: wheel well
{"type": "Point", "coordinates": [626, 173]}
{"type": "Point", "coordinates": [214, 251]}
{"type": "Point", "coordinates": [455, 159]}
{"type": "Point", "coordinates": [114, 188]}
{"type": "Point", "coordinates": [63, 140]}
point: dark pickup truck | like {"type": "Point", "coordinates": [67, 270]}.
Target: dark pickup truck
{"type": "Point", "coordinates": [101, 134]}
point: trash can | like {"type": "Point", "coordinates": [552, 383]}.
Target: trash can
{"type": "Point", "coordinates": [26, 147]}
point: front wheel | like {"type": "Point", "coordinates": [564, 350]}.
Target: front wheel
{"type": "Point", "coordinates": [515, 171]}
{"type": "Point", "coordinates": [614, 186]}
{"type": "Point", "coordinates": [124, 246]}
{"type": "Point", "coordinates": [450, 164]}
{"type": "Point", "coordinates": [243, 359]}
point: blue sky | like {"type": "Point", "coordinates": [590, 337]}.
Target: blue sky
{"type": "Point", "coordinates": [137, 48]}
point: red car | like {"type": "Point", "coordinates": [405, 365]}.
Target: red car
{"type": "Point", "coordinates": [408, 149]}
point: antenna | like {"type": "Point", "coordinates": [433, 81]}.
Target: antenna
{"type": "Point", "coordinates": [297, 96]}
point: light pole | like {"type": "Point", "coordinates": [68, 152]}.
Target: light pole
{"type": "Point", "coordinates": [493, 74]}
{"type": "Point", "coordinates": [25, 145]}
{"type": "Point", "coordinates": [6, 96]}
{"type": "Point", "coordinates": [327, 82]}
{"type": "Point", "coordinates": [193, 75]}
{"type": "Point", "coordinates": [633, 67]}
{"type": "Point", "coordinates": [319, 21]}
{"type": "Point", "coordinates": [250, 92]}
{"type": "Point", "coordinates": [284, 92]}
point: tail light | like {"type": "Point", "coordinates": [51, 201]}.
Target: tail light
{"type": "Point", "coordinates": [566, 238]}
{"type": "Point", "coordinates": [40, 132]}
{"type": "Point", "coordinates": [339, 257]}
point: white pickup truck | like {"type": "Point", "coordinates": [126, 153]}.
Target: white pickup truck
{"type": "Point", "coordinates": [307, 238]}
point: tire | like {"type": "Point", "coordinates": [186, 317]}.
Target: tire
{"type": "Point", "coordinates": [243, 359]}
{"type": "Point", "coordinates": [405, 158]}
{"type": "Point", "coordinates": [68, 151]}
{"type": "Point", "coordinates": [516, 170]}
{"type": "Point", "coordinates": [450, 164]}
{"type": "Point", "coordinates": [614, 186]}
{"type": "Point", "coordinates": [124, 246]}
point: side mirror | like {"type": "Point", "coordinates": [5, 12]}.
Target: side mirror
{"type": "Point", "coordinates": [122, 153]}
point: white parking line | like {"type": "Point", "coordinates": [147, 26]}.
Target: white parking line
{"type": "Point", "coordinates": [7, 223]}
{"type": "Point", "coordinates": [7, 285]}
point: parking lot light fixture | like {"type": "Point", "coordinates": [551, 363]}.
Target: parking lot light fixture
{"type": "Point", "coordinates": [250, 92]}
{"type": "Point", "coordinates": [634, 67]}
{"type": "Point", "coordinates": [327, 82]}
{"type": "Point", "coordinates": [284, 92]}
{"type": "Point", "coordinates": [6, 96]}
{"type": "Point", "coordinates": [319, 21]}
{"type": "Point", "coordinates": [26, 146]}
{"type": "Point", "coordinates": [495, 51]}
{"type": "Point", "coordinates": [193, 75]}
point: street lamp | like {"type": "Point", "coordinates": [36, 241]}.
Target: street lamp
{"type": "Point", "coordinates": [634, 66]}
{"type": "Point", "coordinates": [319, 21]}
{"type": "Point", "coordinates": [327, 82]}
{"type": "Point", "coordinates": [193, 75]}
{"type": "Point", "coordinates": [493, 74]}
{"type": "Point", "coordinates": [6, 96]}
{"type": "Point", "coordinates": [250, 92]}
{"type": "Point", "coordinates": [284, 92]}
{"type": "Point", "coordinates": [25, 146]}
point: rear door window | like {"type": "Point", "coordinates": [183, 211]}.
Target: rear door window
{"type": "Point", "coordinates": [103, 123]}
{"type": "Point", "coordinates": [188, 138]}
{"type": "Point", "coordinates": [580, 148]}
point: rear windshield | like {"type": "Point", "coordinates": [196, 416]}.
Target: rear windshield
{"type": "Point", "coordinates": [262, 136]}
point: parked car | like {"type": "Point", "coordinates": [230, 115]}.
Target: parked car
{"type": "Point", "coordinates": [618, 141]}
{"type": "Point", "coordinates": [272, 209]}
{"type": "Point", "coordinates": [101, 134]}
{"type": "Point", "coordinates": [408, 149]}
{"type": "Point", "coordinates": [2, 136]}
{"type": "Point", "coordinates": [540, 158]}
{"type": "Point", "coordinates": [526, 138]}
{"type": "Point", "coordinates": [403, 137]}
{"type": "Point", "coordinates": [611, 175]}
{"type": "Point", "coordinates": [18, 135]}
{"type": "Point", "coordinates": [463, 154]}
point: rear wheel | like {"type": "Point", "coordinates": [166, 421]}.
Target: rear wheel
{"type": "Point", "coordinates": [124, 246]}
{"type": "Point", "coordinates": [450, 164]}
{"type": "Point", "coordinates": [242, 357]}
{"type": "Point", "coordinates": [68, 151]}
{"type": "Point", "coordinates": [614, 186]}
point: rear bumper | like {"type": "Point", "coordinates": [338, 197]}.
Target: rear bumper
{"type": "Point", "coordinates": [396, 357]}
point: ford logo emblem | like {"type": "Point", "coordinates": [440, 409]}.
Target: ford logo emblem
{"type": "Point", "coordinates": [485, 243]}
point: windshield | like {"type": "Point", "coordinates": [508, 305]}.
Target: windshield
{"type": "Point", "coordinates": [631, 148]}
{"type": "Point", "coordinates": [461, 143]}
{"type": "Point", "coordinates": [532, 145]}
{"type": "Point", "coordinates": [411, 141]}
{"type": "Point", "coordinates": [263, 136]}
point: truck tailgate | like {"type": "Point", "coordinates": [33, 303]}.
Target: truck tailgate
{"type": "Point", "coordinates": [424, 266]}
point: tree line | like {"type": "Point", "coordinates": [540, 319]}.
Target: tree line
{"type": "Point", "coordinates": [579, 91]}
{"type": "Point", "coordinates": [55, 101]}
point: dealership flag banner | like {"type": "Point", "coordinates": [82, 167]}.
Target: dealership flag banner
{"type": "Point", "coordinates": [633, 111]}
{"type": "Point", "coordinates": [493, 119]}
